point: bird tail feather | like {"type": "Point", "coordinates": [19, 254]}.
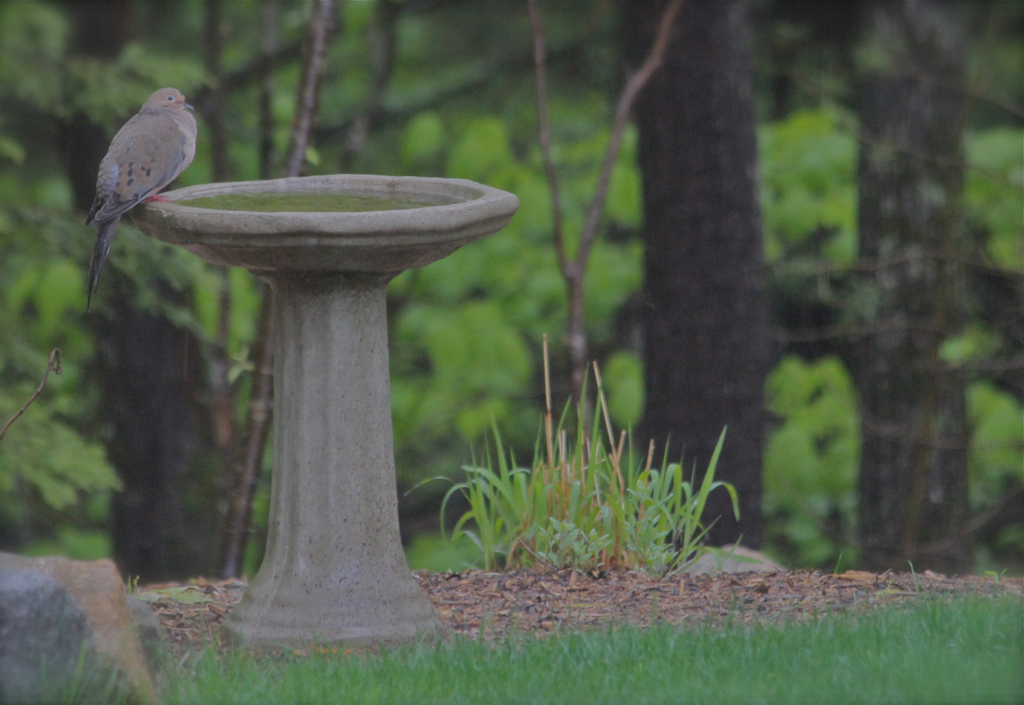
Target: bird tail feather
{"type": "Point", "coordinates": [99, 254]}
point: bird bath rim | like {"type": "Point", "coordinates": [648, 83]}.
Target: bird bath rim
{"type": "Point", "coordinates": [384, 241]}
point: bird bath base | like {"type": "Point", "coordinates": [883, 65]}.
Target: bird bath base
{"type": "Point", "coordinates": [334, 570]}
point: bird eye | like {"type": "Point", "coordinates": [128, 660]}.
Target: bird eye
{"type": "Point", "coordinates": [170, 97]}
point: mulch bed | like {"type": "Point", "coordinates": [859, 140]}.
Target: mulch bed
{"type": "Point", "coordinates": [492, 605]}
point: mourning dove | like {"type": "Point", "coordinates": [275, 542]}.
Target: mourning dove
{"type": "Point", "coordinates": [146, 154]}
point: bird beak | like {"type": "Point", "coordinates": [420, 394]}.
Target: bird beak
{"type": "Point", "coordinates": [188, 106]}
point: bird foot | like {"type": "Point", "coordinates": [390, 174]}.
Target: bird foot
{"type": "Point", "coordinates": [159, 197]}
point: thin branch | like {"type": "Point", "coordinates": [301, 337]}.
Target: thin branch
{"type": "Point", "coordinates": [1007, 364]}
{"type": "Point", "coordinates": [544, 129]}
{"type": "Point", "coordinates": [213, 113]}
{"type": "Point", "coordinates": [574, 270]}
{"type": "Point", "coordinates": [632, 90]}
{"type": "Point", "coordinates": [940, 160]}
{"type": "Point", "coordinates": [859, 330]}
{"type": "Point", "coordinates": [819, 87]}
{"type": "Point", "coordinates": [52, 365]}
{"type": "Point", "coordinates": [487, 75]}
{"type": "Point", "coordinates": [975, 87]}
{"type": "Point", "coordinates": [980, 94]}
{"type": "Point", "coordinates": [872, 265]}
{"type": "Point", "coordinates": [268, 48]}
{"type": "Point", "coordinates": [250, 458]}
{"type": "Point", "coordinates": [851, 126]}
{"type": "Point", "coordinates": [629, 95]}
{"type": "Point", "coordinates": [213, 104]}
{"type": "Point", "coordinates": [308, 99]}
{"type": "Point", "coordinates": [977, 523]}
{"type": "Point", "coordinates": [383, 43]}
{"type": "Point", "coordinates": [240, 78]}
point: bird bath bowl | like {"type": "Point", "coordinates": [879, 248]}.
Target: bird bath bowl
{"type": "Point", "coordinates": [334, 571]}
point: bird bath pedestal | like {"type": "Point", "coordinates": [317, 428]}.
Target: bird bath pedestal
{"type": "Point", "coordinates": [334, 571]}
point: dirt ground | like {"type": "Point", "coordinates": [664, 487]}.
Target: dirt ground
{"type": "Point", "coordinates": [543, 601]}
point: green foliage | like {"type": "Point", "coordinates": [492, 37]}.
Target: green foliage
{"type": "Point", "coordinates": [811, 457]}
{"type": "Point", "coordinates": [464, 328]}
{"type": "Point", "coordinates": [625, 188]}
{"type": "Point", "coordinates": [49, 456]}
{"type": "Point", "coordinates": [438, 554]}
{"type": "Point", "coordinates": [35, 68]}
{"type": "Point", "coordinates": [624, 380]}
{"type": "Point", "coordinates": [74, 543]}
{"type": "Point", "coordinates": [477, 361]}
{"type": "Point", "coordinates": [997, 442]}
{"type": "Point", "coordinates": [424, 139]}
{"type": "Point", "coordinates": [482, 150]}
{"type": "Point", "coordinates": [996, 458]}
{"type": "Point", "coordinates": [109, 91]}
{"type": "Point", "coordinates": [52, 464]}
{"type": "Point", "coordinates": [994, 193]}
{"type": "Point", "coordinates": [809, 188]}
{"type": "Point", "coordinates": [33, 36]}
{"type": "Point", "coordinates": [47, 464]}
{"type": "Point", "coordinates": [54, 293]}
{"type": "Point", "coordinates": [585, 504]}
{"type": "Point", "coordinates": [811, 460]}
{"type": "Point", "coordinates": [244, 294]}
{"type": "Point", "coordinates": [975, 342]}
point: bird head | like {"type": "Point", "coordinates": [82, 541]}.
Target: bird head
{"type": "Point", "coordinates": [166, 98]}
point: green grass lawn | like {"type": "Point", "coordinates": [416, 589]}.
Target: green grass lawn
{"type": "Point", "coordinates": [963, 650]}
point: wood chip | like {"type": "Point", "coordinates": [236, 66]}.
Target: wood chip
{"type": "Point", "coordinates": [541, 602]}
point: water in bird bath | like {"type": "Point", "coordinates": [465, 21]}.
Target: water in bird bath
{"type": "Point", "coordinates": [298, 201]}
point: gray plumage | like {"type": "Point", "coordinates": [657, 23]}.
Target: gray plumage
{"type": "Point", "coordinates": [147, 154]}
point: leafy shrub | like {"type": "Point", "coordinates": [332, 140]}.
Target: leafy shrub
{"type": "Point", "coordinates": [55, 480]}
{"type": "Point", "coordinates": [811, 461]}
{"type": "Point", "coordinates": [994, 192]}
{"type": "Point", "coordinates": [587, 502]}
{"type": "Point", "coordinates": [809, 186]}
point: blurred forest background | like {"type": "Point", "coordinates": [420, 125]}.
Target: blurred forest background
{"type": "Point", "coordinates": [812, 234]}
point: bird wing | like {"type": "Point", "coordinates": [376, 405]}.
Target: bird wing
{"type": "Point", "coordinates": [146, 154]}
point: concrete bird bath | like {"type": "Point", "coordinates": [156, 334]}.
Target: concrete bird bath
{"type": "Point", "coordinates": [334, 571]}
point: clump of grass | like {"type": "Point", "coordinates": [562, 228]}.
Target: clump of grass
{"type": "Point", "coordinates": [588, 501]}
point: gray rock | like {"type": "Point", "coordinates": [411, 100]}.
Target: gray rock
{"type": "Point", "coordinates": [46, 645]}
{"type": "Point", "coordinates": [150, 633]}
{"type": "Point", "coordinates": [119, 666]}
{"type": "Point", "coordinates": [734, 559]}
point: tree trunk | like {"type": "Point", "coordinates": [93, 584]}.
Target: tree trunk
{"type": "Point", "coordinates": [705, 311]}
{"type": "Point", "coordinates": [165, 521]}
{"type": "Point", "coordinates": [913, 477]}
